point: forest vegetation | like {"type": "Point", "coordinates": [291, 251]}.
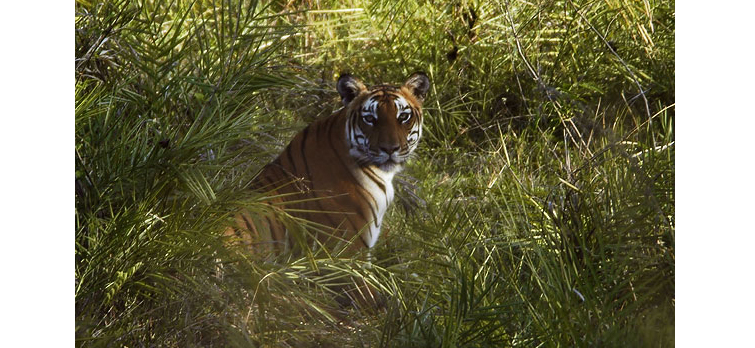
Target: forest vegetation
{"type": "Point", "coordinates": [537, 212]}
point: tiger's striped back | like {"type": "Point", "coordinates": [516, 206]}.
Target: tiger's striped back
{"type": "Point", "coordinates": [337, 173]}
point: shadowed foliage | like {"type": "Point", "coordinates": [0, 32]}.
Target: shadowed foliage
{"type": "Point", "coordinates": [538, 210]}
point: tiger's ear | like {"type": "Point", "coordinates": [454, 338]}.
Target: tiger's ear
{"type": "Point", "coordinates": [349, 88]}
{"type": "Point", "coordinates": [418, 84]}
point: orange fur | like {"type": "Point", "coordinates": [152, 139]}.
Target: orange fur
{"type": "Point", "coordinates": [337, 172]}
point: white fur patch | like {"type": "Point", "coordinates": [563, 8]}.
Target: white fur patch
{"type": "Point", "coordinates": [383, 199]}
{"type": "Point", "coordinates": [401, 105]}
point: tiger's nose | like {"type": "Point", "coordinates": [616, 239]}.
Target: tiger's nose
{"type": "Point", "coordinates": [389, 149]}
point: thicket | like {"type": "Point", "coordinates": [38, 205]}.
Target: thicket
{"type": "Point", "coordinates": [539, 210]}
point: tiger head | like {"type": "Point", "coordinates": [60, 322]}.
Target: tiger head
{"type": "Point", "coordinates": [384, 123]}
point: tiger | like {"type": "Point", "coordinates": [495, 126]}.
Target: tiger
{"type": "Point", "coordinates": [336, 174]}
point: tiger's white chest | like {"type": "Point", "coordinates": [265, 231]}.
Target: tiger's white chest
{"type": "Point", "coordinates": [379, 185]}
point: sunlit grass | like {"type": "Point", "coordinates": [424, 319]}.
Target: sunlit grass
{"type": "Point", "coordinates": [539, 210]}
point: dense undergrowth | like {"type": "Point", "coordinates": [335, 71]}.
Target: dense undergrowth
{"type": "Point", "coordinates": [539, 210]}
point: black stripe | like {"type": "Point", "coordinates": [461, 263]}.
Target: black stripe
{"type": "Point", "coordinates": [271, 229]}
{"type": "Point", "coordinates": [248, 224]}
{"type": "Point", "coordinates": [272, 176]}
{"type": "Point", "coordinates": [416, 112]}
{"type": "Point", "coordinates": [374, 177]}
{"type": "Point", "coordinates": [379, 182]}
{"type": "Point", "coordinates": [328, 215]}
{"type": "Point", "coordinates": [371, 206]}
{"type": "Point", "coordinates": [324, 126]}
{"type": "Point", "coordinates": [318, 202]}
{"type": "Point", "coordinates": [361, 214]}
{"type": "Point", "coordinates": [261, 183]}
{"type": "Point", "coordinates": [236, 232]}
{"type": "Point", "coordinates": [351, 222]}
{"type": "Point", "coordinates": [354, 123]}
{"type": "Point", "coordinates": [357, 230]}
{"type": "Point", "coordinates": [340, 160]}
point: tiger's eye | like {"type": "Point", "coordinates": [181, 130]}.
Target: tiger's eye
{"type": "Point", "coordinates": [403, 117]}
{"type": "Point", "coordinates": [369, 119]}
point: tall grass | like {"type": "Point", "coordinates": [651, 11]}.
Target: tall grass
{"type": "Point", "coordinates": [538, 212]}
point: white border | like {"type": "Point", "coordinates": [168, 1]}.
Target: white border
{"type": "Point", "coordinates": [715, 172]}
{"type": "Point", "coordinates": [37, 136]}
